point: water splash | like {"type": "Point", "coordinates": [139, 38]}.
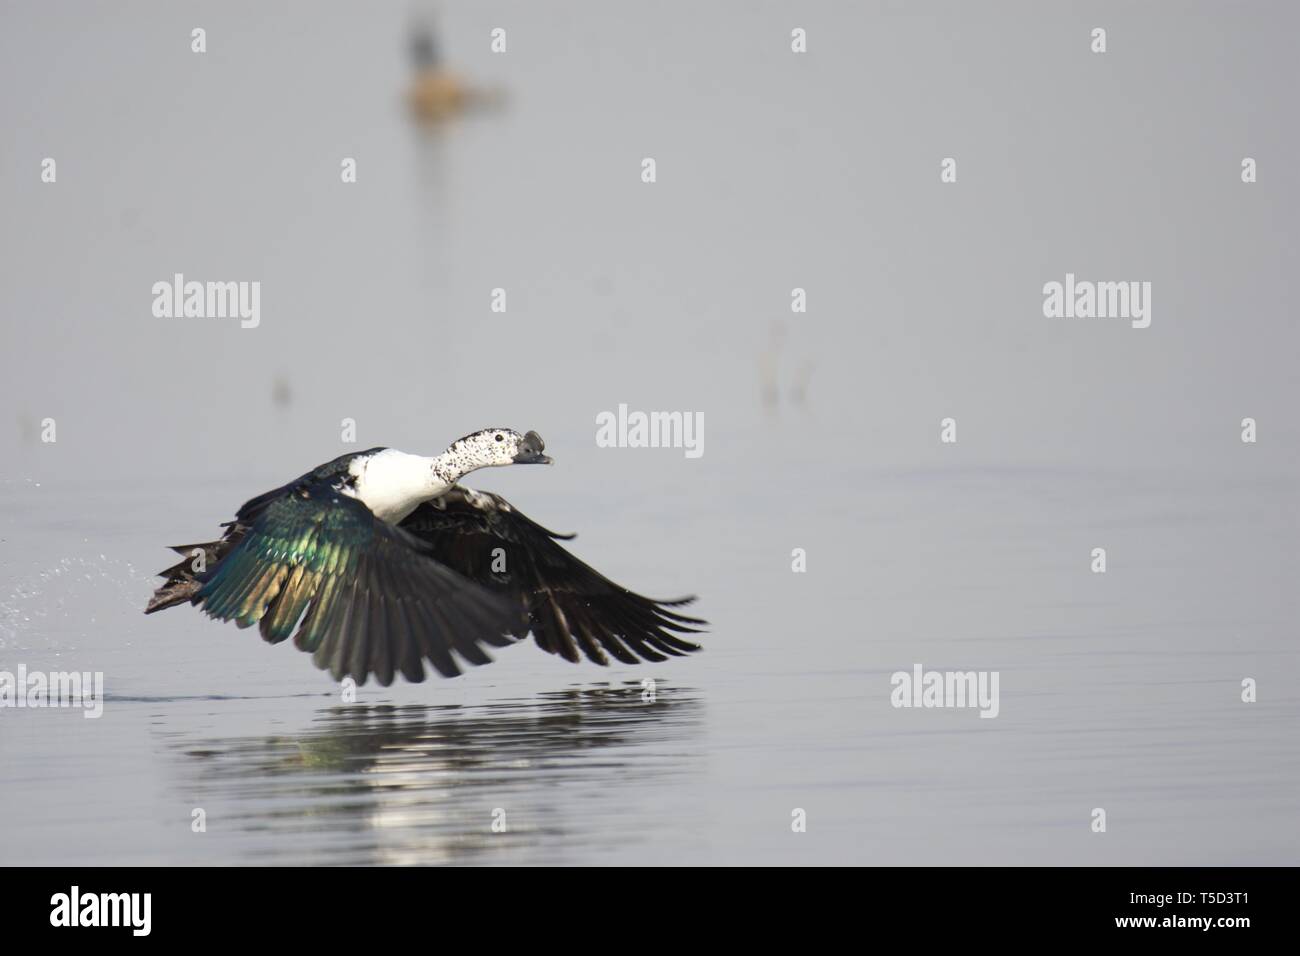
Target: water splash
{"type": "Point", "coordinates": [56, 599]}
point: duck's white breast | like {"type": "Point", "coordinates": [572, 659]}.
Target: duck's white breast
{"type": "Point", "coordinates": [392, 483]}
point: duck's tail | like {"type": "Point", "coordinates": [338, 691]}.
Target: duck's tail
{"type": "Point", "coordinates": [183, 580]}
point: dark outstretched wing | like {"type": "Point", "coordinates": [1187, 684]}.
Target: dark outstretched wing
{"type": "Point", "coordinates": [370, 596]}
{"type": "Point", "coordinates": [570, 606]}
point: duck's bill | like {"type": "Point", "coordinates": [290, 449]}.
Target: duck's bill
{"type": "Point", "coordinates": [531, 458]}
{"type": "Point", "coordinates": [530, 451]}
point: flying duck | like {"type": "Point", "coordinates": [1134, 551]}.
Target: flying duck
{"type": "Point", "coordinates": [382, 561]}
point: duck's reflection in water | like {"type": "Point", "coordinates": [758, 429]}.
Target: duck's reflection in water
{"type": "Point", "coordinates": [519, 781]}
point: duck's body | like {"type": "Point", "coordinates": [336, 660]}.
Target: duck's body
{"type": "Point", "coordinates": [381, 560]}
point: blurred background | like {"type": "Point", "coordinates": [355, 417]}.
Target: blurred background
{"type": "Point", "coordinates": [521, 170]}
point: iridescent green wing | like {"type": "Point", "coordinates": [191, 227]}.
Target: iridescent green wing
{"type": "Point", "coordinates": [365, 597]}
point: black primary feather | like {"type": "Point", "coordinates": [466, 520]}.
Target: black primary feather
{"type": "Point", "coordinates": [572, 609]}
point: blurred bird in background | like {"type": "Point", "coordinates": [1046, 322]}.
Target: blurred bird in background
{"type": "Point", "coordinates": [436, 93]}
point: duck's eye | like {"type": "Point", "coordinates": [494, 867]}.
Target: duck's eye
{"type": "Point", "coordinates": [500, 438]}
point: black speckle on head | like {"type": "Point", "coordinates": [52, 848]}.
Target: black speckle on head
{"type": "Point", "coordinates": [480, 435]}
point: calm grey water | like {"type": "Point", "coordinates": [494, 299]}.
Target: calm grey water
{"type": "Point", "coordinates": [775, 171]}
{"type": "Point", "coordinates": [1117, 691]}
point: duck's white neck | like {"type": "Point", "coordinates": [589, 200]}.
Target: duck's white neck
{"type": "Point", "coordinates": [392, 483]}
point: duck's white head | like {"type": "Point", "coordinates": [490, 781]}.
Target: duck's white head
{"type": "Point", "coordinates": [494, 447]}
